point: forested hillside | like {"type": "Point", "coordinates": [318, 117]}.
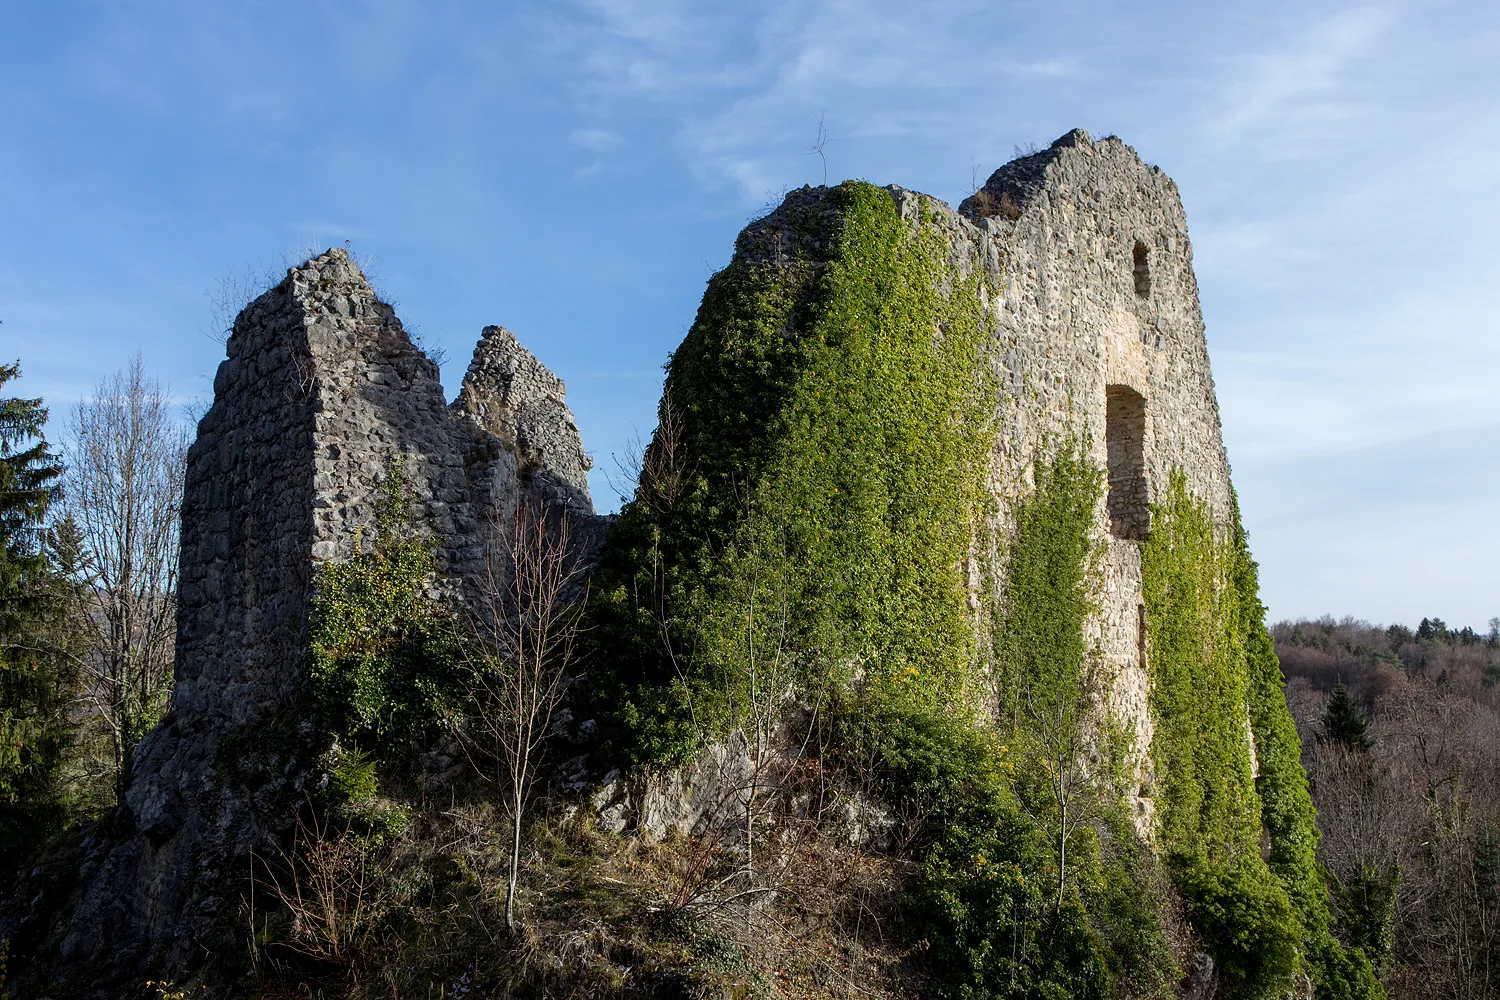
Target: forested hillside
{"type": "Point", "coordinates": [1401, 740]}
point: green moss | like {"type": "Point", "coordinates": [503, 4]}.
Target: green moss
{"type": "Point", "coordinates": [834, 409]}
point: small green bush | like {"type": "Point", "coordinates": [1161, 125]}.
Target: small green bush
{"type": "Point", "coordinates": [984, 894]}
{"type": "Point", "coordinates": [351, 774]}
{"type": "Point", "coordinates": [1245, 920]}
{"type": "Point", "coordinates": [385, 653]}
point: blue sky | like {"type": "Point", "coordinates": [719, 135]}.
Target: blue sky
{"type": "Point", "coordinates": [577, 170]}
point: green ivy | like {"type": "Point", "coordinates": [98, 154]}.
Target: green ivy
{"type": "Point", "coordinates": [811, 505]}
{"type": "Point", "coordinates": [834, 407]}
{"type": "Point", "coordinates": [1215, 685]}
{"type": "Point", "coordinates": [985, 893]}
{"type": "Point", "coordinates": [1287, 812]}
{"type": "Point", "coordinates": [1042, 673]}
{"type": "Point", "coordinates": [385, 654]}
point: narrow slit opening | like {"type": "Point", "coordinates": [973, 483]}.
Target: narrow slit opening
{"type": "Point", "coordinates": [1142, 270]}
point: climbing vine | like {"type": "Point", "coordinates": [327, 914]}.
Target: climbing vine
{"type": "Point", "coordinates": [835, 408]}
{"type": "Point", "coordinates": [1287, 812]}
{"type": "Point", "coordinates": [808, 509]}
{"type": "Point", "coordinates": [1215, 687]}
{"type": "Point", "coordinates": [384, 650]}
{"type": "Point", "coordinates": [1051, 577]}
{"type": "Point", "coordinates": [1030, 880]}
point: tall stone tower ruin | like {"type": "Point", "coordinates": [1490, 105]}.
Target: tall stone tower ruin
{"type": "Point", "coordinates": [1099, 333]}
{"type": "Point", "coordinates": [321, 390]}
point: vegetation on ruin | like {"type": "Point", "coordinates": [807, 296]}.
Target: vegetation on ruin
{"type": "Point", "coordinates": [1029, 878]}
{"type": "Point", "coordinates": [1215, 686]}
{"type": "Point", "coordinates": [811, 496]}
{"type": "Point", "coordinates": [806, 569]}
{"type": "Point", "coordinates": [385, 657]}
{"type": "Point", "coordinates": [833, 415]}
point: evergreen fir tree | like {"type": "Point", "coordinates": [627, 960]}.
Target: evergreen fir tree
{"type": "Point", "coordinates": [1344, 721]}
{"type": "Point", "coordinates": [35, 730]}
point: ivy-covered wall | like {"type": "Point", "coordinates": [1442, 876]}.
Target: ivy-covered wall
{"type": "Point", "coordinates": [818, 478]}
{"type": "Point", "coordinates": [879, 483]}
{"type": "Point", "coordinates": [1240, 845]}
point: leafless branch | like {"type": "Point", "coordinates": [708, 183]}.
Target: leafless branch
{"type": "Point", "coordinates": [526, 621]}
{"type": "Point", "coordinates": [126, 465]}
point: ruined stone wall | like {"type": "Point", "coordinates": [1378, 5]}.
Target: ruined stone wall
{"type": "Point", "coordinates": [1097, 336]}
{"type": "Point", "coordinates": [320, 391]}
{"type": "Point", "coordinates": [511, 396]}
{"type": "Point", "coordinates": [1099, 318]}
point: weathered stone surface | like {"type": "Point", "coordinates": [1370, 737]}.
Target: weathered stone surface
{"type": "Point", "coordinates": [321, 389]}
{"type": "Point", "coordinates": [1099, 334]}
{"type": "Point", "coordinates": [510, 395]}
{"type": "Point", "coordinates": [1096, 334]}
{"type": "Point", "coordinates": [710, 798]}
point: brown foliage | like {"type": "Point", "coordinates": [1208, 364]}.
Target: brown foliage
{"type": "Point", "coordinates": [985, 205]}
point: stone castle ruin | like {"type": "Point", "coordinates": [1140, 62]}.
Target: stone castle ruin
{"type": "Point", "coordinates": [321, 390]}
{"type": "Point", "coordinates": [1095, 330]}
{"type": "Point", "coordinates": [1100, 330]}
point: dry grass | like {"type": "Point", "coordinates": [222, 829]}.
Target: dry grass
{"type": "Point", "coordinates": [601, 915]}
{"type": "Point", "coordinates": [985, 205]}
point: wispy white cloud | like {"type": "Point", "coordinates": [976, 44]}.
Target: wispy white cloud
{"type": "Point", "coordinates": [595, 140]}
{"type": "Point", "coordinates": [1306, 80]}
{"type": "Point", "coordinates": [747, 91]}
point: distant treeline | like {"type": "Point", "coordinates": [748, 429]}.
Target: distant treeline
{"type": "Point", "coordinates": [1400, 733]}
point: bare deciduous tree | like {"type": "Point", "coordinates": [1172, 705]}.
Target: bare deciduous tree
{"type": "Point", "coordinates": [126, 464]}
{"type": "Point", "coordinates": [526, 622]}
{"type": "Point", "coordinates": [656, 473]}
{"type": "Point", "coordinates": [1063, 727]}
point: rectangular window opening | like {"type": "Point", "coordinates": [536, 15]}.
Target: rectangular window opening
{"type": "Point", "coordinates": [1125, 440]}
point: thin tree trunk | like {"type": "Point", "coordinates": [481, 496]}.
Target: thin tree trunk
{"type": "Point", "coordinates": [1062, 840]}
{"type": "Point", "coordinates": [515, 861]}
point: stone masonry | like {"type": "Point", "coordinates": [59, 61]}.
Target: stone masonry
{"type": "Point", "coordinates": [321, 389]}
{"type": "Point", "coordinates": [1096, 335]}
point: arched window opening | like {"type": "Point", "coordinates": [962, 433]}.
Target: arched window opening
{"type": "Point", "coordinates": [1142, 270]}
{"type": "Point", "coordinates": [1125, 442]}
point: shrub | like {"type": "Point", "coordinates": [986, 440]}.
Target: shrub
{"type": "Point", "coordinates": [1245, 920]}
{"type": "Point", "coordinates": [385, 656]}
